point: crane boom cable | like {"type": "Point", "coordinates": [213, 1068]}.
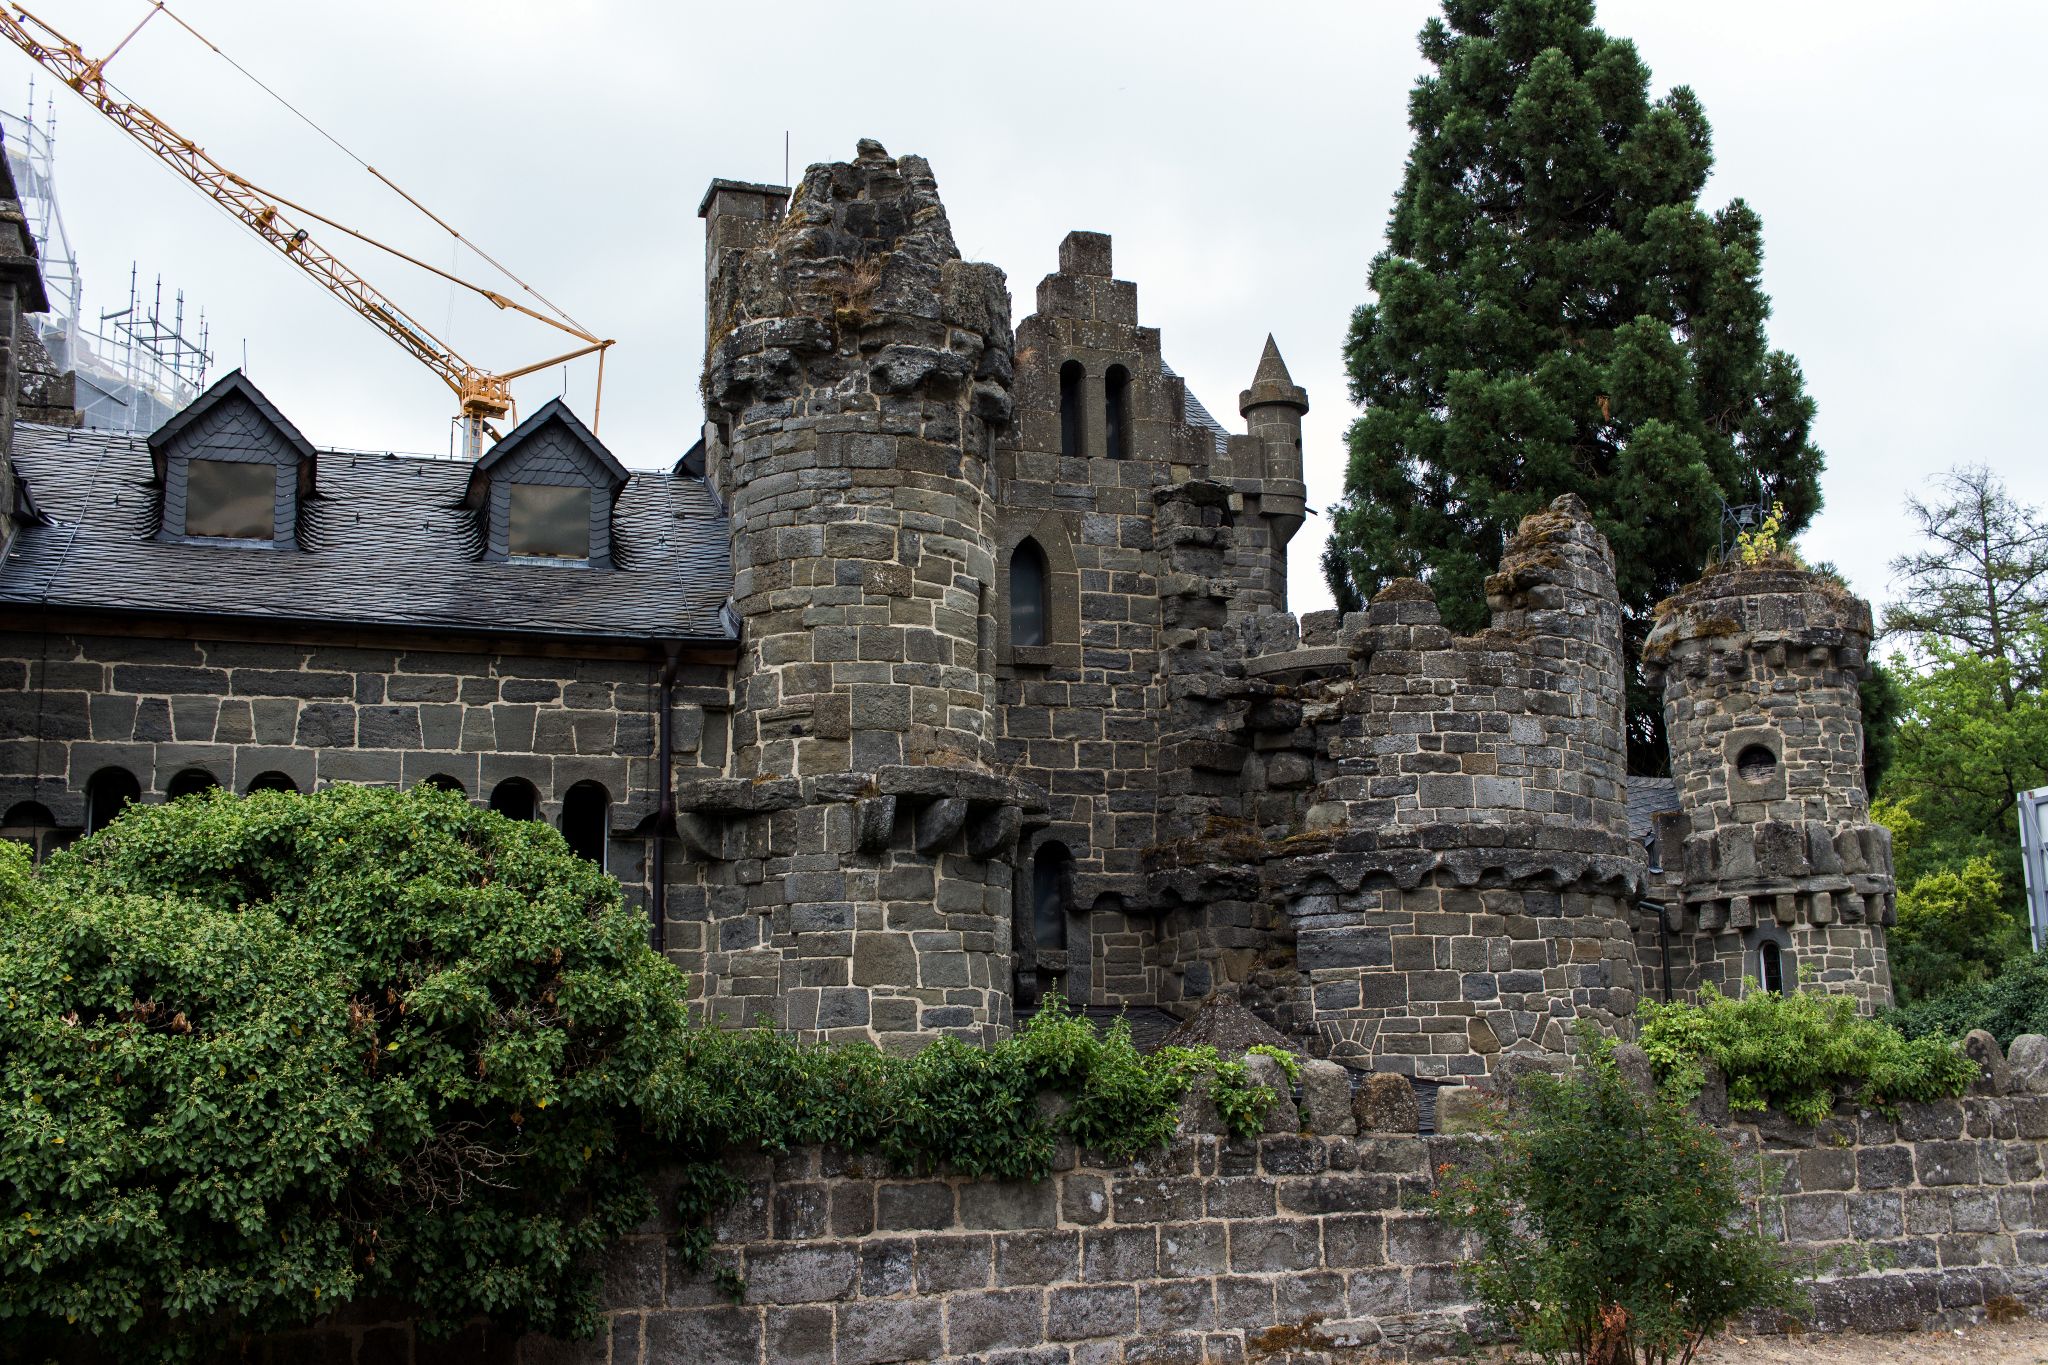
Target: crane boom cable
{"type": "Point", "coordinates": [482, 394]}
{"type": "Point", "coordinates": [345, 150]}
{"type": "Point", "coordinates": [241, 201]}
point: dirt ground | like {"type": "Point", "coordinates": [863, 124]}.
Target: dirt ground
{"type": "Point", "coordinates": [2012, 1343]}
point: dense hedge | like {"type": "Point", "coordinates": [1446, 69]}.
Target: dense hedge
{"type": "Point", "coordinates": [261, 1056]}
{"type": "Point", "coordinates": [1796, 1053]}
{"type": "Point", "coordinates": [2009, 1004]}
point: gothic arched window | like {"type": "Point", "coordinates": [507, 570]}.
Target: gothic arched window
{"type": "Point", "coordinates": [191, 782]}
{"type": "Point", "coordinates": [1071, 377]}
{"type": "Point", "coordinates": [1029, 598]}
{"type": "Point", "coordinates": [1116, 411]}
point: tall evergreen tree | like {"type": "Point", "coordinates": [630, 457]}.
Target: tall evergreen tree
{"type": "Point", "coordinates": [1554, 313]}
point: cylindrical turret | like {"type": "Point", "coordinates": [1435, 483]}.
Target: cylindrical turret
{"type": "Point", "coordinates": [853, 871]}
{"type": "Point", "coordinates": [1785, 876]}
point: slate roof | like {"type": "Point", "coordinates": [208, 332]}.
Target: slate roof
{"type": "Point", "coordinates": [389, 544]}
{"type": "Point", "coordinates": [1198, 415]}
{"type": "Point", "coordinates": [1649, 797]}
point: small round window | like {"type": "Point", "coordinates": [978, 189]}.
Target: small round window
{"type": "Point", "coordinates": [1756, 763]}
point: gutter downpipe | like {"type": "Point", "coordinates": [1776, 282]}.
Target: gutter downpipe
{"type": "Point", "coordinates": [665, 812]}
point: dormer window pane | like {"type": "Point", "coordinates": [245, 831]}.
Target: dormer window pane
{"type": "Point", "coordinates": [550, 522]}
{"type": "Point", "coordinates": [230, 499]}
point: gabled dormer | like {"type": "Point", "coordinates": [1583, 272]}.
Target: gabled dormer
{"type": "Point", "coordinates": [544, 494]}
{"type": "Point", "coordinates": [232, 471]}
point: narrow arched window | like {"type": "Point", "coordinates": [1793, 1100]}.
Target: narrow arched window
{"type": "Point", "coordinates": [272, 781]}
{"type": "Point", "coordinates": [515, 799]}
{"type": "Point", "coordinates": [1028, 594]}
{"type": "Point", "coordinates": [1770, 962]}
{"type": "Point", "coordinates": [111, 791]}
{"type": "Point", "coordinates": [29, 823]}
{"type": "Point", "coordinates": [586, 820]}
{"type": "Point", "coordinates": [1116, 412]}
{"type": "Point", "coordinates": [445, 783]}
{"type": "Point", "coordinates": [1049, 896]}
{"type": "Point", "coordinates": [1071, 379]}
{"type": "Point", "coordinates": [191, 782]}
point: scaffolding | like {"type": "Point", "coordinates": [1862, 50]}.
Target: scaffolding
{"type": "Point", "coordinates": [137, 365]}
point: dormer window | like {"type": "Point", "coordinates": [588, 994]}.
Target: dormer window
{"type": "Point", "coordinates": [232, 470]}
{"type": "Point", "coordinates": [544, 494]}
{"type": "Point", "coordinates": [549, 522]}
{"type": "Point", "coordinates": [231, 499]}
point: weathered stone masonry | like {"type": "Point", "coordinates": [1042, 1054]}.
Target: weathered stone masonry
{"type": "Point", "coordinates": [1310, 1249]}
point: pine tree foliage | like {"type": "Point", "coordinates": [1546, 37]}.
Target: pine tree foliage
{"type": "Point", "coordinates": [1554, 313]}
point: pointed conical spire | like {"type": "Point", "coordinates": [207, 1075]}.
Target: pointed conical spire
{"type": "Point", "coordinates": [1272, 369]}
{"type": "Point", "coordinates": [1272, 384]}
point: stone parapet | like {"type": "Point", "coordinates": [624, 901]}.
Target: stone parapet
{"type": "Point", "coordinates": [1315, 1249]}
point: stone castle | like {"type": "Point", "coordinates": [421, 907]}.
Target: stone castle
{"type": "Point", "coordinates": [952, 667]}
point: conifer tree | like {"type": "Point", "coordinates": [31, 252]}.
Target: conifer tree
{"type": "Point", "coordinates": [1554, 313]}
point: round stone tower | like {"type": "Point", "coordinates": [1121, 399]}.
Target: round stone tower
{"type": "Point", "coordinates": [856, 368]}
{"type": "Point", "coordinates": [852, 869]}
{"type": "Point", "coordinates": [1784, 876]}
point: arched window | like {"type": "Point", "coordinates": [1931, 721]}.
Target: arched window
{"type": "Point", "coordinates": [586, 820]}
{"type": "Point", "coordinates": [191, 782]}
{"type": "Point", "coordinates": [1770, 965]}
{"type": "Point", "coordinates": [443, 782]}
{"type": "Point", "coordinates": [1071, 377]}
{"type": "Point", "coordinates": [1028, 595]}
{"type": "Point", "coordinates": [1049, 896]}
{"type": "Point", "coordinates": [1116, 411]}
{"type": "Point", "coordinates": [515, 799]}
{"type": "Point", "coordinates": [107, 794]}
{"type": "Point", "coordinates": [30, 824]}
{"type": "Point", "coordinates": [272, 781]}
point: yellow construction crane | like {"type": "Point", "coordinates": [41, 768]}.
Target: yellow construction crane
{"type": "Point", "coordinates": [485, 395]}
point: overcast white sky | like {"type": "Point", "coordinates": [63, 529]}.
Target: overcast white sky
{"type": "Point", "coordinates": [1243, 156]}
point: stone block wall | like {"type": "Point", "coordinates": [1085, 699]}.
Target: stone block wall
{"type": "Point", "coordinates": [74, 705]}
{"type": "Point", "coordinates": [1310, 1249]}
{"type": "Point", "coordinates": [1421, 860]}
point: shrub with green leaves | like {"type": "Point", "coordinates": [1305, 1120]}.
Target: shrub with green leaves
{"type": "Point", "coordinates": [1610, 1225]}
{"type": "Point", "coordinates": [2009, 1004]}
{"type": "Point", "coordinates": [262, 1056]}
{"type": "Point", "coordinates": [1796, 1053]}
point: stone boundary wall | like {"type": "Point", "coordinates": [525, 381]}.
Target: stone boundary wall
{"type": "Point", "coordinates": [1303, 1249]}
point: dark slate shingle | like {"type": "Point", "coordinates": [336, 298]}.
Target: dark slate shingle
{"type": "Point", "coordinates": [394, 548]}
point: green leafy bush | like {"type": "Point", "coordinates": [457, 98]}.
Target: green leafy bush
{"type": "Point", "coordinates": [1610, 1226]}
{"type": "Point", "coordinates": [1796, 1052]}
{"type": "Point", "coordinates": [262, 1056]}
{"type": "Point", "coordinates": [974, 1110]}
{"type": "Point", "coordinates": [2009, 1004]}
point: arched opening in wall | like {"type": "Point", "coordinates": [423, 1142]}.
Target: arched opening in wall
{"type": "Point", "coordinates": [516, 799]}
{"type": "Point", "coordinates": [1116, 411]}
{"type": "Point", "coordinates": [1049, 872]}
{"type": "Point", "coordinates": [272, 781]}
{"type": "Point", "coordinates": [109, 792]}
{"type": "Point", "coordinates": [1029, 596]}
{"type": "Point", "coordinates": [30, 824]}
{"type": "Point", "coordinates": [1072, 378]}
{"type": "Point", "coordinates": [1770, 968]}
{"type": "Point", "coordinates": [586, 820]}
{"type": "Point", "coordinates": [191, 782]}
{"type": "Point", "coordinates": [442, 782]}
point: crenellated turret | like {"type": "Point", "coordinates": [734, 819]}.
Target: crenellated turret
{"type": "Point", "coordinates": [1782, 875]}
